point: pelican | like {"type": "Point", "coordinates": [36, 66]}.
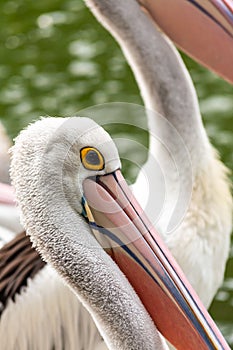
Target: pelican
{"type": "Point", "coordinates": [67, 171]}
{"type": "Point", "coordinates": [167, 88]}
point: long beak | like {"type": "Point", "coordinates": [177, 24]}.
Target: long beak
{"type": "Point", "coordinates": [203, 29]}
{"type": "Point", "coordinates": [122, 228]}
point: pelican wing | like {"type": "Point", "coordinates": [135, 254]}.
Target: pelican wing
{"type": "Point", "coordinates": [18, 262]}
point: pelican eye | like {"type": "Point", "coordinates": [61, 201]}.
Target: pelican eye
{"type": "Point", "coordinates": [91, 158]}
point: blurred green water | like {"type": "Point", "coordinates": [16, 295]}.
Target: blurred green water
{"type": "Point", "coordinates": [55, 59]}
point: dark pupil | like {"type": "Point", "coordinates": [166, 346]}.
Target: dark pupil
{"type": "Point", "coordinates": [92, 158]}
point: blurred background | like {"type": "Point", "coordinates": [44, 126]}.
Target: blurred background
{"type": "Point", "coordinates": [55, 59]}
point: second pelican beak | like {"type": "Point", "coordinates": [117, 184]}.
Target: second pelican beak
{"type": "Point", "coordinates": [202, 29]}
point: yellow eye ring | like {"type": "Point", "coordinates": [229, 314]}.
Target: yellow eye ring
{"type": "Point", "coordinates": [91, 158]}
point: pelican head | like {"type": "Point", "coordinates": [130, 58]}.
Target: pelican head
{"type": "Point", "coordinates": [71, 193]}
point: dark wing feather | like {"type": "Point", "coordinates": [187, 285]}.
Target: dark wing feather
{"type": "Point", "coordinates": [18, 262]}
